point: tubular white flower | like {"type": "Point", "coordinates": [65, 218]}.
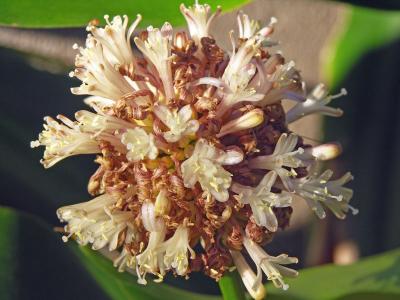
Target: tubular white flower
{"type": "Point", "coordinates": [316, 102]}
{"type": "Point", "coordinates": [272, 266]}
{"type": "Point", "coordinates": [63, 140]}
{"type": "Point", "coordinates": [284, 155]}
{"type": "Point", "coordinates": [198, 20]}
{"type": "Point", "coordinates": [320, 153]}
{"type": "Point", "coordinates": [247, 26]}
{"type": "Point", "coordinates": [99, 104]}
{"type": "Point", "coordinates": [249, 120]}
{"type": "Point", "coordinates": [240, 71]}
{"type": "Point", "coordinates": [96, 123]}
{"type": "Point", "coordinates": [157, 48]}
{"type": "Point", "coordinates": [205, 167]}
{"type": "Point", "coordinates": [140, 144]}
{"type": "Point", "coordinates": [95, 222]}
{"type": "Point", "coordinates": [151, 259]}
{"type": "Point", "coordinates": [262, 200]}
{"type": "Point", "coordinates": [244, 55]}
{"type": "Point", "coordinates": [98, 75]}
{"type": "Point", "coordinates": [280, 83]}
{"type": "Point", "coordinates": [251, 281]}
{"type": "Point", "coordinates": [115, 38]}
{"type": "Point", "coordinates": [178, 122]}
{"type": "Point", "coordinates": [176, 251]}
{"type": "Point", "coordinates": [150, 219]}
{"type": "Point", "coordinates": [125, 259]}
{"type": "Point", "coordinates": [319, 192]}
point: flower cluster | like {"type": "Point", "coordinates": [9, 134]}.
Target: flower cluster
{"type": "Point", "coordinates": [193, 149]}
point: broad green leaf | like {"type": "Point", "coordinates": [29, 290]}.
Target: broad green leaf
{"type": "Point", "coordinates": [76, 13]}
{"type": "Point", "coordinates": [363, 30]}
{"type": "Point", "coordinates": [36, 264]}
{"type": "Point", "coordinates": [376, 277]}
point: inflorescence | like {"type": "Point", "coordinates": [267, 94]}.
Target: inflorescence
{"type": "Point", "coordinates": [196, 162]}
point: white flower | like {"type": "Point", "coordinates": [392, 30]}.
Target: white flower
{"type": "Point", "coordinates": [99, 104]}
{"type": "Point", "coordinates": [157, 49]}
{"type": "Point", "coordinates": [272, 266]}
{"type": "Point", "coordinates": [125, 259]}
{"type": "Point", "coordinates": [151, 259]}
{"type": "Point", "coordinates": [140, 144]}
{"type": "Point", "coordinates": [319, 192]}
{"type": "Point", "coordinates": [98, 123]}
{"type": "Point", "coordinates": [63, 140]}
{"type": "Point", "coordinates": [316, 102]}
{"type": "Point", "coordinates": [247, 26]}
{"type": "Point", "coordinates": [178, 122]}
{"type": "Point", "coordinates": [198, 21]}
{"type": "Point", "coordinates": [262, 200]}
{"type": "Point", "coordinates": [205, 167]}
{"type": "Point", "coordinates": [95, 222]}
{"type": "Point", "coordinates": [281, 84]}
{"type": "Point", "coordinates": [98, 75]}
{"type": "Point", "coordinates": [251, 281]}
{"type": "Point", "coordinates": [320, 153]}
{"type": "Point", "coordinates": [249, 120]}
{"type": "Point", "coordinates": [240, 71]}
{"type": "Point", "coordinates": [176, 251]}
{"type": "Point", "coordinates": [115, 38]}
{"type": "Point", "coordinates": [284, 155]}
{"type": "Point", "coordinates": [150, 217]}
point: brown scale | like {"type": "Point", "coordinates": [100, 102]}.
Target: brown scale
{"type": "Point", "coordinates": [209, 126]}
{"type": "Point", "coordinates": [216, 212]}
{"type": "Point", "coordinates": [126, 108]}
{"type": "Point", "coordinates": [109, 160]}
{"type": "Point", "coordinates": [143, 180]}
{"type": "Point", "coordinates": [181, 209]}
{"type": "Point", "coordinates": [258, 234]}
{"type": "Point", "coordinates": [234, 237]}
{"type": "Point", "coordinates": [216, 260]}
{"type": "Point", "coordinates": [214, 54]}
{"type": "Point", "coordinates": [204, 104]}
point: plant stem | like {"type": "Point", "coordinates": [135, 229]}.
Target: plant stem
{"type": "Point", "coordinates": [231, 287]}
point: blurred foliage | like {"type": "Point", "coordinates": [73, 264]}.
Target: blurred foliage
{"type": "Point", "coordinates": [77, 13]}
{"type": "Point", "coordinates": [48, 269]}
{"type": "Point", "coordinates": [363, 30]}
{"type": "Point", "coordinates": [376, 277]}
{"type": "Point", "coordinates": [382, 4]}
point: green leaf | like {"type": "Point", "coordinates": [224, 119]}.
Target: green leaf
{"type": "Point", "coordinates": [36, 264]}
{"type": "Point", "coordinates": [231, 286]}
{"type": "Point", "coordinates": [376, 277]}
{"type": "Point", "coordinates": [124, 286]}
{"type": "Point", "coordinates": [363, 30]}
{"type": "Point", "coordinates": [76, 13]}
